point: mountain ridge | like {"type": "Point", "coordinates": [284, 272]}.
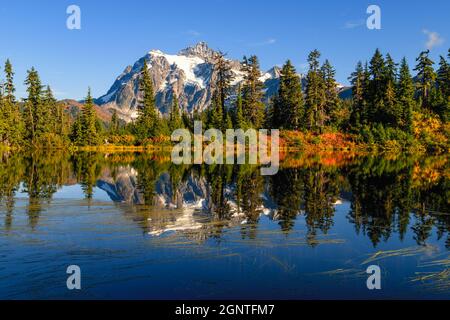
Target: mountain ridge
{"type": "Point", "coordinates": [188, 74]}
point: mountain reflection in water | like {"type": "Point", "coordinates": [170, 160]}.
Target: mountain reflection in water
{"type": "Point", "coordinates": [308, 203]}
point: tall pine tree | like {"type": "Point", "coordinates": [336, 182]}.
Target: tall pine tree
{"type": "Point", "coordinates": [222, 86]}
{"type": "Point", "coordinates": [114, 128]}
{"type": "Point", "coordinates": [90, 133]}
{"type": "Point", "coordinates": [332, 102]}
{"type": "Point", "coordinates": [147, 123]}
{"type": "Point", "coordinates": [239, 119]}
{"type": "Point", "coordinates": [33, 107]}
{"type": "Point", "coordinates": [426, 78]}
{"type": "Point", "coordinates": [288, 105]}
{"type": "Point", "coordinates": [175, 121]}
{"type": "Point", "coordinates": [11, 126]}
{"type": "Point", "coordinates": [252, 93]}
{"type": "Point", "coordinates": [405, 96]}
{"type": "Point", "coordinates": [392, 112]}
{"type": "Point", "coordinates": [315, 94]}
{"type": "Point", "coordinates": [357, 80]}
{"type": "Point", "coordinates": [377, 88]}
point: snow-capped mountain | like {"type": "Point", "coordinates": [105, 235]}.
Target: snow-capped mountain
{"type": "Point", "coordinates": [188, 74]}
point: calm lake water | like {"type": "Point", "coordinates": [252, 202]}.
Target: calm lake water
{"type": "Point", "coordinates": [140, 227]}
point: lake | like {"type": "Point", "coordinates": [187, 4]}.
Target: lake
{"type": "Point", "coordinates": [140, 227]}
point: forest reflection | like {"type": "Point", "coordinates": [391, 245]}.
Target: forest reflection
{"type": "Point", "coordinates": [387, 197]}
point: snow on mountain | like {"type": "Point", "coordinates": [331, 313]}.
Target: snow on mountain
{"type": "Point", "coordinates": [187, 64]}
{"type": "Point", "coordinates": [188, 74]}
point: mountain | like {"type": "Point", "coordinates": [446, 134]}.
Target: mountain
{"type": "Point", "coordinates": [188, 73]}
{"type": "Point", "coordinates": [73, 108]}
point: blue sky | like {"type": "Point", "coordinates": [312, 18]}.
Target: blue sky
{"type": "Point", "coordinates": [115, 34]}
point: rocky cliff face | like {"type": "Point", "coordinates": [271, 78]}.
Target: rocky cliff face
{"type": "Point", "coordinates": [188, 74]}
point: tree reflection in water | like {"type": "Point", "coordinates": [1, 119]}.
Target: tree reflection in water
{"type": "Point", "coordinates": [384, 193]}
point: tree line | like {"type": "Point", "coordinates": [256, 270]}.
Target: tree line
{"type": "Point", "coordinates": [385, 97]}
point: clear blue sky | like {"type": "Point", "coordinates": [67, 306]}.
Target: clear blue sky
{"type": "Point", "coordinates": [115, 34]}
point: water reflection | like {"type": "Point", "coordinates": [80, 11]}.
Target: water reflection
{"type": "Point", "coordinates": [385, 194]}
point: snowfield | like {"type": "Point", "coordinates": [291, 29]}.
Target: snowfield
{"type": "Point", "coordinates": [187, 64]}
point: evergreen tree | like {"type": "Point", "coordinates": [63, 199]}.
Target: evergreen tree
{"type": "Point", "coordinates": [90, 134]}
{"type": "Point", "coordinates": [390, 69]}
{"type": "Point", "coordinates": [377, 87]}
{"type": "Point", "coordinates": [187, 121]}
{"type": "Point", "coordinates": [405, 96]}
{"type": "Point", "coordinates": [426, 77]}
{"type": "Point", "coordinates": [443, 76]}
{"type": "Point", "coordinates": [393, 111]}
{"type": "Point", "coordinates": [33, 108]}
{"type": "Point", "coordinates": [443, 82]}
{"type": "Point", "coordinates": [252, 93]}
{"type": "Point", "coordinates": [77, 134]}
{"type": "Point", "coordinates": [215, 117]}
{"type": "Point", "coordinates": [11, 126]}
{"type": "Point", "coordinates": [9, 85]}
{"type": "Point", "coordinates": [239, 119]}
{"type": "Point", "coordinates": [228, 122]}
{"type": "Point", "coordinates": [357, 118]}
{"type": "Point", "coordinates": [175, 121]}
{"type": "Point", "coordinates": [3, 123]}
{"type": "Point", "coordinates": [147, 125]}
{"type": "Point", "coordinates": [332, 101]}
{"type": "Point", "coordinates": [288, 105]}
{"type": "Point", "coordinates": [50, 111]}
{"type": "Point", "coordinates": [315, 94]}
{"type": "Point", "coordinates": [114, 129]}
{"type": "Point", "coordinates": [225, 76]}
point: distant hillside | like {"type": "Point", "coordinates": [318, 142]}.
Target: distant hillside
{"type": "Point", "coordinates": [74, 107]}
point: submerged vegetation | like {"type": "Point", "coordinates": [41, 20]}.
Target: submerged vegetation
{"type": "Point", "coordinates": [389, 110]}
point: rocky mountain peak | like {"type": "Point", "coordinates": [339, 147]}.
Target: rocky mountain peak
{"type": "Point", "coordinates": [201, 50]}
{"type": "Point", "coordinates": [275, 72]}
{"type": "Point", "coordinates": [188, 75]}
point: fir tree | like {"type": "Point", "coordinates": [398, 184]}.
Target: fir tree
{"type": "Point", "coordinates": [114, 129]}
{"type": "Point", "coordinates": [33, 108]}
{"type": "Point", "coordinates": [215, 117]}
{"type": "Point", "coordinates": [11, 126]}
{"type": "Point", "coordinates": [377, 87]}
{"type": "Point", "coordinates": [288, 106]}
{"type": "Point", "coordinates": [332, 101]}
{"type": "Point", "coordinates": [90, 134]}
{"type": "Point", "coordinates": [252, 93]}
{"type": "Point", "coordinates": [405, 96]}
{"type": "Point", "coordinates": [393, 111]}
{"type": "Point", "coordinates": [443, 76]}
{"type": "Point", "coordinates": [228, 122]}
{"type": "Point", "coordinates": [77, 134]}
{"type": "Point", "coordinates": [357, 81]}
{"type": "Point", "coordinates": [315, 94]}
{"type": "Point", "coordinates": [225, 76]}
{"type": "Point", "coordinates": [147, 123]}
{"type": "Point", "coordinates": [443, 82]}
{"type": "Point", "coordinates": [239, 119]}
{"type": "Point", "coordinates": [175, 121]}
{"type": "Point", "coordinates": [426, 77]}
{"type": "Point", "coordinates": [50, 111]}
{"type": "Point", "coordinates": [9, 85]}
